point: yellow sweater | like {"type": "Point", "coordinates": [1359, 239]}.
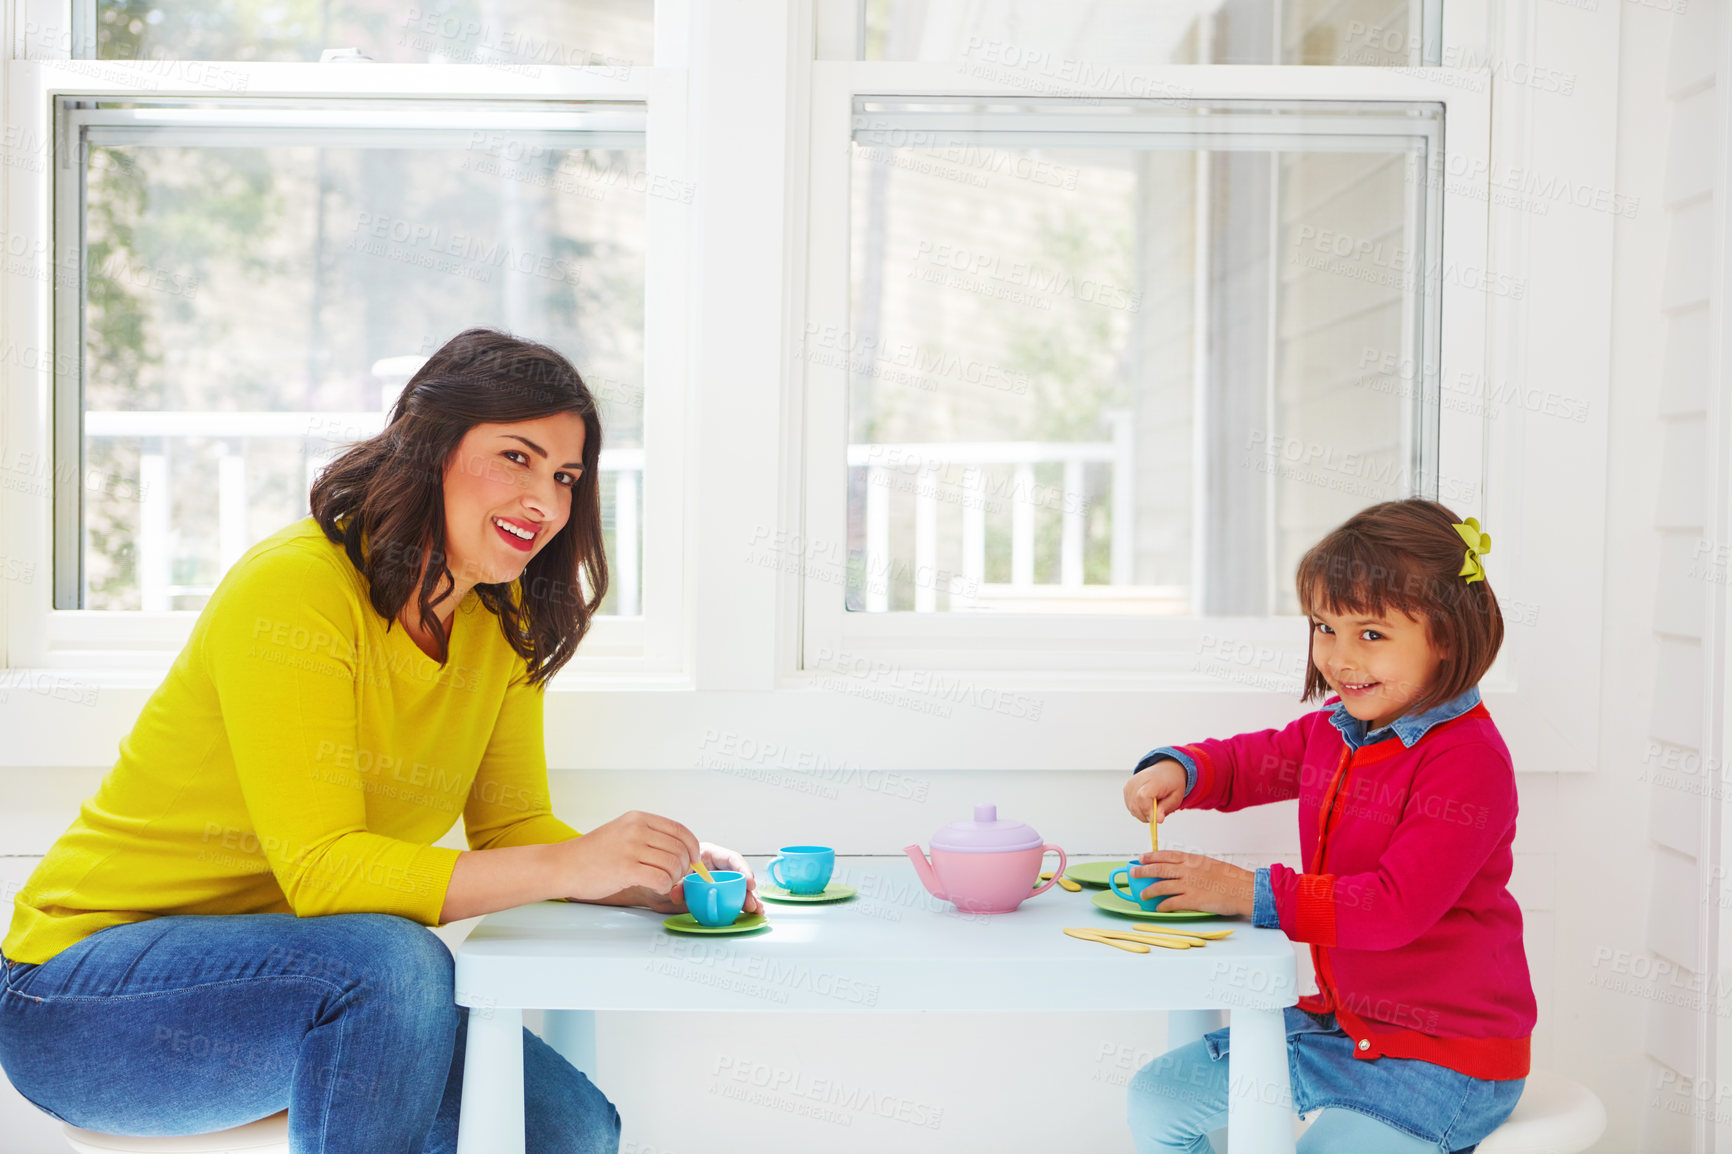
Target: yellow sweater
{"type": "Point", "coordinates": [299, 758]}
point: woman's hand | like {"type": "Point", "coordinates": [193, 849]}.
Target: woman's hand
{"type": "Point", "coordinates": [636, 859]}
{"type": "Point", "coordinates": [1164, 780]}
{"type": "Point", "coordinates": [641, 859]}
{"type": "Point", "coordinates": [1196, 882]}
{"type": "Point", "coordinates": [718, 858]}
{"type": "Point", "coordinates": [649, 899]}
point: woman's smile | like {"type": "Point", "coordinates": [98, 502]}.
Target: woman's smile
{"type": "Point", "coordinates": [504, 526]}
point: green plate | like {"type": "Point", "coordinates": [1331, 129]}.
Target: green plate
{"type": "Point", "coordinates": [1092, 873]}
{"type": "Point", "coordinates": [1113, 904]}
{"type": "Point", "coordinates": [834, 892]}
{"type": "Point", "coordinates": [745, 924]}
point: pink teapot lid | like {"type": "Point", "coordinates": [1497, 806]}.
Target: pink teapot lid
{"type": "Point", "coordinates": [985, 834]}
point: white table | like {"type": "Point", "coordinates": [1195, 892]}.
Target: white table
{"type": "Point", "coordinates": [892, 949]}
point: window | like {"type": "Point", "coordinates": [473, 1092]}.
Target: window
{"type": "Point", "coordinates": [1126, 358]}
{"type": "Point", "coordinates": [516, 35]}
{"type": "Point", "coordinates": [1285, 274]}
{"type": "Point", "coordinates": [1039, 43]}
{"type": "Point", "coordinates": [237, 263]}
{"type": "Point", "coordinates": [369, 235]}
{"type": "Point", "coordinates": [1089, 362]}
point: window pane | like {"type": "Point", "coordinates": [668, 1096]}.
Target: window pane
{"type": "Point", "coordinates": [1139, 378]}
{"type": "Point", "coordinates": [1041, 46]}
{"type": "Point", "coordinates": [518, 34]}
{"type": "Point", "coordinates": [274, 299]}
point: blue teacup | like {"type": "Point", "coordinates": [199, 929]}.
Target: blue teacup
{"type": "Point", "coordinates": [1135, 887]}
{"type": "Point", "coordinates": [715, 903]}
{"type": "Point", "coordinates": [803, 869]}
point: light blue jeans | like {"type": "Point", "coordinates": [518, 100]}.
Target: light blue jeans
{"type": "Point", "coordinates": [1176, 1100]}
{"type": "Point", "coordinates": [1386, 1106]}
{"type": "Point", "coordinates": [186, 1025]}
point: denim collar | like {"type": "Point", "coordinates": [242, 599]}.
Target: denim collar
{"type": "Point", "coordinates": [1409, 727]}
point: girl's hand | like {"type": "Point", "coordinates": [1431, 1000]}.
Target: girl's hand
{"type": "Point", "coordinates": [636, 859]}
{"type": "Point", "coordinates": [1164, 780]}
{"type": "Point", "coordinates": [718, 858]}
{"type": "Point", "coordinates": [1197, 882]}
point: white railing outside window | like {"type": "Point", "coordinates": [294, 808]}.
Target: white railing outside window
{"type": "Point", "coordinates": [925, 463]}
{"type": "Point", "coordinates": [156, 549]}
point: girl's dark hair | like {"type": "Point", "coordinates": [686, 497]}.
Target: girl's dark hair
{"type": "Point", "coordinates": [1406, 556]}
{"type": "Point", "coordinates": [389, 491]}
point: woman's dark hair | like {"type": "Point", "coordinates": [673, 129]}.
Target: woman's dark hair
{"type": "Point", "coordinates": [388, 491]}
{"type": "Point", "coordinates": [1406, 556]}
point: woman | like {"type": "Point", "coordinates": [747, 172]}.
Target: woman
{"type": "Point", "coordinates": [230, 927]}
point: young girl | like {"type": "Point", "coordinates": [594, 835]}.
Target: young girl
{"type": "Point", "coordinates": [234, 923]}
{"type": "Point", "coordinates": [1417, 1039]}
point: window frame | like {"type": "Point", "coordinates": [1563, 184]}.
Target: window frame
{"type": "Point", "coordinates": [40, 636]}
{"type": "Point", "coordinates": [1103, 650]}
{"type": "Point", "coordinates": [745, 430]}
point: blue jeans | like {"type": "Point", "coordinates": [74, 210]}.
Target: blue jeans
{"type": "Point", "coordinates": [1387, 1106]}
{"type": "Point", "coordinates": [186, 1025]}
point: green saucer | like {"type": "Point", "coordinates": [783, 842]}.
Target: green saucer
{"type": "Point", "coordinates": [1113, 904]}
{"type": "Point", "coordinates": [834, 892]}
{"type": "Point", "coordinates": [745, 924]}
{"type": "Point", "coordinates": [1092, 873]}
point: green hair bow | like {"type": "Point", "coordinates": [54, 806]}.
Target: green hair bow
{"type": "Point", "coordinates": [1478, 543]}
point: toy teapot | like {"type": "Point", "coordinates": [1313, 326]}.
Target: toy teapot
{"type": "Point", "coordinates": [984, 866]}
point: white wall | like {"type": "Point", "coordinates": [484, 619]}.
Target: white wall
{"type": "Point", "coordinates": [1675, 1035]}
{"type": "Point", "coordinates": [1628, 837]}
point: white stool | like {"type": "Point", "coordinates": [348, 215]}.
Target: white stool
{"type": "Point", "coordinates": [1554, 1116]}
{"type": "Point", "coordinates": [266, 1136]}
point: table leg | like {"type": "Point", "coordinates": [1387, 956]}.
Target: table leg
{"type": "Point", "coordinates": [572, 1033]}
{"type": "Point", "coordinates": [1187, 1026]}
{"type": "Point", "coordinates": [491, 1120]}
{"type": "Point", "coordinates": [1259, 1094]}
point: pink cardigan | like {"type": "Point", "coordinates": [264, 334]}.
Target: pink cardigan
{"type": "Point", "coordinates": [1416, 940]}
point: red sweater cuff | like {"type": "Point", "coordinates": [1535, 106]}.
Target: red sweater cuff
{"type": "Point", "coordinates": [1204, 789]}
{"type": "Point", "coordinates": [1314, 909]}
